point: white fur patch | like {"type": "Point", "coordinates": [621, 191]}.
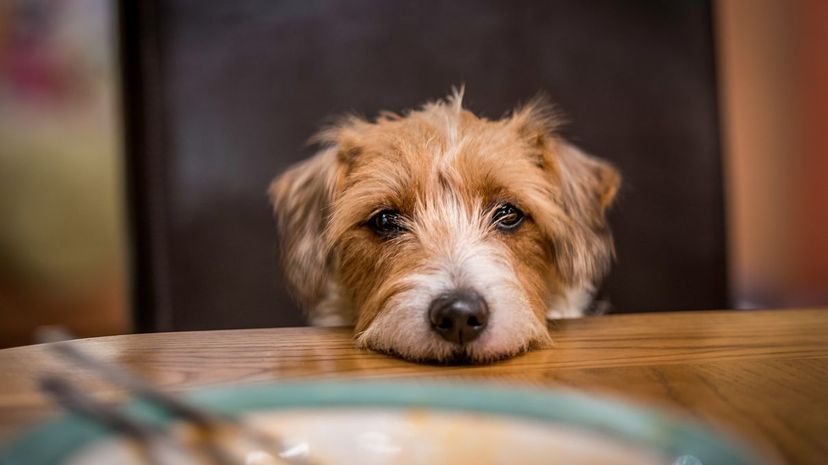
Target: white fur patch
{"type": "Point", "coordinates": [333, 310]}
{"type": "Point", "coordinates": [571, 303]}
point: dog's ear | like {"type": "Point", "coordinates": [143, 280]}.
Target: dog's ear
{"type": "Point", "coordinates": [588, 187]}
{"type": "Point", "coordinates": [582, 189]}
{"type": "Point", "coordinates": [301, 198]}
{"type": "Point", "coordinates": [536, 122]}
{"type": "Point", "coordinates": [590, 184]}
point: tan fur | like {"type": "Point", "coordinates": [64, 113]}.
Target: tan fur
{"type": "Point", "coordinates": [445, 170]}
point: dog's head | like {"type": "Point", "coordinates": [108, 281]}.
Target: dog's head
{"type": "Point", "coordinates": [442, 235]}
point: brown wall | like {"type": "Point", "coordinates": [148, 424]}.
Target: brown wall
{"type": "Point", "coordinates": [773, 64]}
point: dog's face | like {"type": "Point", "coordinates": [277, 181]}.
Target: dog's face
{"type": "Point", "coordinates": [442, 235]}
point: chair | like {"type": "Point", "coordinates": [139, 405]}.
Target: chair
{"type": "Point", "coordinates": [221, 96]}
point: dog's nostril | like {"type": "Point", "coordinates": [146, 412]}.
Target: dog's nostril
{"type": "Point", "coordinates": [459, 316]}
{"type": "Point", "coordinates": [445, 323]}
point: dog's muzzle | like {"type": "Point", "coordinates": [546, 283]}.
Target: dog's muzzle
{"type": "Point", "coordinates": [459, 316]}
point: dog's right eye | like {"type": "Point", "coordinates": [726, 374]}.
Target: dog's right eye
{"type": "Point", "coordinates": [508, 217]}
{"type": "Point", "coordinates": [386, 224]}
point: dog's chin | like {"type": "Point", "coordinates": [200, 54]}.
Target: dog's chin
{"type": "Point", "coordinates": [457, 355]}
{"type": "Point", "coordinates": [444, 353]}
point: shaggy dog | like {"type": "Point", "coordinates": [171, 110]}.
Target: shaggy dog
{"type": "Point", "coordinates": [444, 236]}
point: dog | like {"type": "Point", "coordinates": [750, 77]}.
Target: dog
{"type": "Point", "coordinates": [443, 236]}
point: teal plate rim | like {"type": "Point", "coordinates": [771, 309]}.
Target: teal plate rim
{"type": "Point", "coordinates": [673, 436]}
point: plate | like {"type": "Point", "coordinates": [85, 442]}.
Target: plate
{"type": "Point", "coordinates": [397, 423]}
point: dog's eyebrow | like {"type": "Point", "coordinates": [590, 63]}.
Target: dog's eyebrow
{"type": "Point", "coordinates": [380, 208]}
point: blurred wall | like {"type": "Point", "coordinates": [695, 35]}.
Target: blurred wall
{"type": "Point", "coordinates": [62, 257]}
{"type": "Point", "coordinates": [773, 64]}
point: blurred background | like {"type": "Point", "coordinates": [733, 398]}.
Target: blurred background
{"type": "Point", "coordinates": [137, 141]}
{"type": "Point", "coordinates": [63, 246]}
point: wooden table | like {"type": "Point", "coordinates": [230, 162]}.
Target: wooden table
{"type": "Point", "coordinates": [763, 374]}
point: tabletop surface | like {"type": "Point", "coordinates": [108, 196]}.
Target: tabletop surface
{"type": "Point", "coordinates": [762, 374]}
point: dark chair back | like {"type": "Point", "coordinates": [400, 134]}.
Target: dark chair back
{"type": "Point", "coordinates": [221, 96]}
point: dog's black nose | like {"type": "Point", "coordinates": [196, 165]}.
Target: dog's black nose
{"type": "Point", "coordinates": [459, 317]}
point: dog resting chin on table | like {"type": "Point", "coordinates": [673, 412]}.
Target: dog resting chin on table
{"type": "Point", "coordinates": [443, 236]}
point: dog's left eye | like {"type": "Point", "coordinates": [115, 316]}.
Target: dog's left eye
{"type": "Point", "coordinates": [507, 217]}
{"type": "Point", "coordinates": [387, 223]}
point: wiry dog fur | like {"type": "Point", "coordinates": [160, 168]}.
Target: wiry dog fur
{"type": "Point", "coordinates": [446, 171]}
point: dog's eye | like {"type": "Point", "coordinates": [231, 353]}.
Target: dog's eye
{"type": "Point", "coordinates": [386, 223]}
{"type": "Point", "coordinates": [507, 217]}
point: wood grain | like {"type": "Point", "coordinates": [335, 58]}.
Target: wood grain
{"type": "Point", "coordinates": [761, 374]}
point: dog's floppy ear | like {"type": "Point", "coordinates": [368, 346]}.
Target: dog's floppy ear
{"type": "Point", "coordinates": [590, 184]}
{"type": "Point", "coordinates": [301, 198]}
{"type": "Point", "coordinates": [588, 188]}
{"type": "Point", "coordinates": [583, 188]}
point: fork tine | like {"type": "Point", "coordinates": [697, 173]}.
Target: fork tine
{"type": "Point", "coordinates": [127, 380]}
{"type": "Point", "coordinates": [149, 436]}
{"type": "Point", "coordinates": [74, 400]}
{"type": "Point", "coordinates": [209, 422]}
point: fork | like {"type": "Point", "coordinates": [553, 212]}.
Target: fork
{"type": "Point", "coordinates": [215, 430]}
